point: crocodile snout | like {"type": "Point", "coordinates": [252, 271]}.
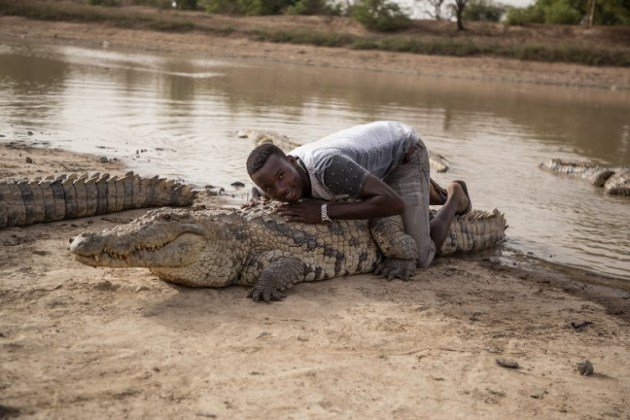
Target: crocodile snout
{"type": "Point", "coordinates": [87, 244]}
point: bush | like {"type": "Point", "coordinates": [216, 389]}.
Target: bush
{"type": "Point", "coordinates": [531, 14]}
{"type": "Point", "coordinates": [380, 15]}
{"type": "Point", "coordinates": [515, 16]}
{"type": "Point", "coordinates": [561, 12]}
{"type": "Point", "coordinates": [572, 12]}
{"type": "Point", "coordinates": [186, 4]}
{"type": "Point", "coordinates": [108, 3]}
{"type": "Point", "coordinates": [483, 11]}
{"type": "Point", "coordinates": [247, 7]}
{"type": "Point", "coordinates": [313, 7]}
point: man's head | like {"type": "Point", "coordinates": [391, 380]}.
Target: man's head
{"type": "Point", "coordinates": [276, 173]}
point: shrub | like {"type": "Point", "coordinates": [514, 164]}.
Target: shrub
{"type": "Point", "coordinates": [313, 7]}
{"type": "Point", "coordinates": [607, 12]}
{"type": "Point", "coordinates": [561, 12]}
{"type": "Point", "coordinates": [186, 4]}
{"type": "Point", "coordinates": [380, 15]}
{"type": "Point", "coordinates": [247, 7]}
{"type": "Point", "coordinates": [483, 11]}
{"type": "Point", "coordinates": [108, 3]}
{"type": "Point", "coordinates": [515, 16]}
{"type": "Point", "coordinates": [160, 4]}
{"type": "Point", "coordinates": [531, 14]}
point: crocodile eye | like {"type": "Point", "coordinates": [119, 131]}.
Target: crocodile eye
{"type": "Point", "coordinates": [166, 216]}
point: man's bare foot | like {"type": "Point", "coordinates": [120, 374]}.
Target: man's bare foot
{"type": "Point", "coordinates": [437, 194]}
{"type": "Point", "coordinates": [455, 189]}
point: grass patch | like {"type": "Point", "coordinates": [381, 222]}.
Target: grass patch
{"type": "Point", "coordinates": [303, 37]}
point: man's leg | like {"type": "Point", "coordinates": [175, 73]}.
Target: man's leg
{"type": "Point", "coordinates": [456, 202]}
{"type": "Point", "coordinates": [411, 181]}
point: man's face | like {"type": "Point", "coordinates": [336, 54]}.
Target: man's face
{"type": "Point", "coordinates": [279, 179]}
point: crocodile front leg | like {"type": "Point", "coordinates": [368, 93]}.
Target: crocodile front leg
{"type": "Point", "coordinates": [278, 272]}
{"type": "Point", "coordinates": [392, 268]}
{"type": "Point", "coordinates": [399, 249]}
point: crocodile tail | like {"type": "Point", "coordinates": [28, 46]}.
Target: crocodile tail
{"type": "Point", "coordinates": [475, 231]}
{"type": "Point", "coordinates": [80, 195]}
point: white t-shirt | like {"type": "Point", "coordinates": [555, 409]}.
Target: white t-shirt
{"type": "Point", "coordinates": [340, 163]}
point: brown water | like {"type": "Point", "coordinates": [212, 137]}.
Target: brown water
{"type": "Point", "coordinates": [184, 112]}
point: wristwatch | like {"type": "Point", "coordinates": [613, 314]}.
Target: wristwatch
{"type": "Point", "coordinates": [324, 214]}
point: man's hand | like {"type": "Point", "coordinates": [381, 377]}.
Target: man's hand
{"type": "Point", "coordinates": [307, 210]}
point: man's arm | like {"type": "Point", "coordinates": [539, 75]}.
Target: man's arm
{"type": "Point", "coordinates": [377, 200]}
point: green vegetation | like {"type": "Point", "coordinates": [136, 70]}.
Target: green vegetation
{"type": "Point", "coordinates": [270, 7]}
{"type": "Point", "coordinates": [380, 15]}
{"type": "Point", "coordinates": [572, 12]}
{"type": "Point", "coordinates": [449, 46]}
{"type": "Point", "coordinates": [187, 4]}
{"type": "Point", "coordinates": [313, 7]}
{"type": "Point", "coordinates": [108, 3]}
{"type": "Point", "coordinates": [483, 11]}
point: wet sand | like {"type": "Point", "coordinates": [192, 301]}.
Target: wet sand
{"type": "Point", "coordinates": [120, 342]}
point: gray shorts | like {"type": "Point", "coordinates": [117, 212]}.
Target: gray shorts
{"type": "Point", "coordinates": [411, 181]}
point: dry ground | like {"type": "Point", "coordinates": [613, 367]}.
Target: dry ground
{"type": "Point", "coordinates": [78, 341]}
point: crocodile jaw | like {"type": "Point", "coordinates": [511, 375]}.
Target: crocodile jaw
{"type": "Point", "coordinates": [180, 251]}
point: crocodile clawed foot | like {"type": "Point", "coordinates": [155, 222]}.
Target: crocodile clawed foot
{"type": "Point", "coordinates": [394, 268]}
{"type": "Point", "coordinates": [265, 294]}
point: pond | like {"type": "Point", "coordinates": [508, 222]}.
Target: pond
{"type": "Point", "coordinates": [176, 116]}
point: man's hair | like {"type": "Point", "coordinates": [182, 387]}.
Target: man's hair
{"type": "Point", "coordinates": [259, 156]}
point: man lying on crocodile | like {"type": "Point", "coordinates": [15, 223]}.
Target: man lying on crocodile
{"type": "Point", "coordinates": [384, 164]}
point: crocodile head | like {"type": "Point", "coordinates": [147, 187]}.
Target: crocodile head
{"type": "Point", "coordinates": [177, 245]}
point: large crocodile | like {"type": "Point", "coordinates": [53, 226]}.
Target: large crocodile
{"type": "Point", "coordinates": [26, 202]}
{"type": "Point", "coordinates": [256, 247]}
{"type": "Point", "coordinates": [438, 162]}
{"type": "Point", "coordinates": [614, 180]}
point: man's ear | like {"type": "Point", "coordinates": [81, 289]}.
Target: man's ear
{"type": "Point", "coordinates": [292, 160]}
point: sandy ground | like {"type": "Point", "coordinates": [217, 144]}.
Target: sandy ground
{"type": "Point", "coordinates": [108, 343]}
{"type": "Point", "coordinates": [78, 341]}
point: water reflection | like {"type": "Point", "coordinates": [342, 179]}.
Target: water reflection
{"type": "Point", "coordinates": [33, 86]}
{"type": "Point", "coordinates": [593, 123]}
{"type": "Point", "coordinates": [184, 111]}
